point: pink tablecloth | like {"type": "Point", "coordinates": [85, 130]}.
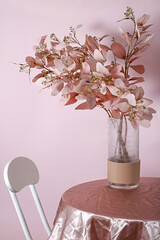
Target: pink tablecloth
{"type": "Point", "coordinates": [93, 211]}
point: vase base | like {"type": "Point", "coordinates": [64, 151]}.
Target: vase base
{"type": "Point", "coordinates": [122, 186]}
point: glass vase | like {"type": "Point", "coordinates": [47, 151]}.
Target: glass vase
{"type": "Point", "coordinates": [123, 168]}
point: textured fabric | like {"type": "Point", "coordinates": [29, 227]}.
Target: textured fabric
{"type": "Point", "coordinates": [93, 211]}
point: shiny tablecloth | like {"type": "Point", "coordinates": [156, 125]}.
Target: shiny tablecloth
{"type": "Point", "coordinates": [93, 211]}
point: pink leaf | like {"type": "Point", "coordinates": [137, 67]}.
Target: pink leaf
{"type": "Point", "coordinates": [103, 37]}
{"type": "Point", "coordinates": [139, 93]}
{"type": "Point", "coordinates": [147, 114]}
{"type": "Point", "coordinates": [92, 62]}
{"type": "Point", "coordinates": [136, 80]}
{"type": "Point", "coordinates": [116, 69]}
{"type": "Point", "coordinates": [138, 68]}
{"type": "Point", "coordinates": [144, 123]}
{"type": "Point", "coordinates": [151, 110]}
{"type": "Point", "coordinates": [43, 74]}
{"type": "Point", "coordinates": [40, 55]}
{"type": "Point", "coordinates": [133, 59]}
{"type": "Point", "coordinates": [147, 102]}
{"type": "Point", "coordinates": [104, 47]}
{"type": "Point", "coordinates": [142, 20]}
{"type": "Point", "coordinates": [116, 114]}
{"type": "Point", "coordinates": [118, 50]}
{"type": "Point", "coordinates": [148, 26]}
{"type": "Point", "coordinates": [134, 124]}
{"type": "Point", "coordinates": [43, 38]}
{"type": "Point", "coordinates": [137, 32]}
{"type": "Point", "coordinates": [91, 101]}
{"type": "Point", "coordinates": [39, 63]}
{"type": "Point", "coordinates": [82, 106]}
{"type": "Point", "coordinates": [142, 49]}
{"type": "Point", "coordinates": [118, 75]}
{"type": "Point", "coordinates": [91, 43]}
{"type": "Point", "coordinates": [72, 99]}
{"type": "Point", "coordinates": [30, 61]}
{"type": "Point", "coordinates": [125, 37]}
{"type": "Point", "coordinates": [105, 97]}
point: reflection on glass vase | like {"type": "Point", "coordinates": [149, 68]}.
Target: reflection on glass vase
{"type": "Point", "coordinates": [123, 168]}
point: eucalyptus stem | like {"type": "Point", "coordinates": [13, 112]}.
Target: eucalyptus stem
{"type": "Point", "coordinates": [106, 110]}
{"type": "Point", "coordinates": [121, 144]}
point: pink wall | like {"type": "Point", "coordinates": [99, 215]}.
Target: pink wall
{"type": "Point", "coordinates": [68, 146]}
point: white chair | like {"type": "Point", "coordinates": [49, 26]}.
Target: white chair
{"type": "Point", "coordinates": [19, 173]}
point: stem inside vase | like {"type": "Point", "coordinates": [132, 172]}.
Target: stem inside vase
{"type": "Point", "coordinates": [123, 141]}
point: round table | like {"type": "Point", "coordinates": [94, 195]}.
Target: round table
{"type": "Point", "coordinates": [94, 211]}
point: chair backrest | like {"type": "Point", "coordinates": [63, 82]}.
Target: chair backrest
{"type": "Point", "coordinates": [19, 173]}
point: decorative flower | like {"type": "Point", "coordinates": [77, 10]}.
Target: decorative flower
{"type": "Point", "coordinates": [82, 72]}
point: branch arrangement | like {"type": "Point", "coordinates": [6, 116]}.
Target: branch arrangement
{"type": "Point", "coordinates": [82, 72]}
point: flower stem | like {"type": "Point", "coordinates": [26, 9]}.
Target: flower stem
{"type": "Point", "coordinates": [121, 143]}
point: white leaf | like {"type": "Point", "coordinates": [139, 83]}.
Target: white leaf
{"type": "Point", "coordinates": [123, 106]}
{"type": "Point", "coordinates": [113, 90]}
{"type": "Point", "coordinates": [98, 55]}
{"type": "Point", "coordinates": [60, 46]}
{"type": "Point", "coordinates": [59, 65]}
{"type": "Point", "coordinates": [103, 89]}
{"type": "Point", "coordinates": [148, 38]}
{"type": "Point", "coordinates": [130, 97]}
{"type": "Point", "coordinates": [48, 42]}
{"type": "Point", "coordinates": [97, 74]}
{"type": "Point", "coordinates": [100, 68]}
{"type": "Point", "coordinates": [119, 83]}
{"type": "Point", "coordinates": [85, 68]}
